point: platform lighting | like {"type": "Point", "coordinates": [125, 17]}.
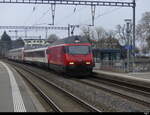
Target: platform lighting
{"type": "Point", "coordinates": [128, 31]}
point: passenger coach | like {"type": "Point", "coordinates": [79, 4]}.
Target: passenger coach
{"type": "Point", "coordinates": [37, 56]}
{"type": "Point", "coordinates": [16, 54]}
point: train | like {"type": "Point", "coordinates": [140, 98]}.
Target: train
{"type": "Point", "coordinates": [72, 55]}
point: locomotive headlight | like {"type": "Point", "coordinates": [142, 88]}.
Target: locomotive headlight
{"type": "Point", "coordinates": [88, 62]}
{"type": "Point", "coordinates": [71, 63]}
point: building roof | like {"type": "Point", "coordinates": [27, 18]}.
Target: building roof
{"type": "Point", "coordinates": [71, 39]}
{"type": "Point", "coordinates": [33, 39]}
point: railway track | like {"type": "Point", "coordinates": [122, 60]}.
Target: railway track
{"type": "Point", "coordinates": [73, 101]}
{"type": "Point", "coordinates": [131, 93]}
{"type": "Point", "coordinates": [127, 91]}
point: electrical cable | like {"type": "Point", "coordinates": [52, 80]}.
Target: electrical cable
{"type": "Point", "coordinates": [72, 13]}
{"type": "Point", "coordinates": [107, 12]}
{"type": "Point", "coordinates": [42, 16]}
{"type": "Point", "coordinates": [29, 17]}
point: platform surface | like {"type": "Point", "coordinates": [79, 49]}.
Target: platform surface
{"type": "Point", "coordinates": [6, 100]}
{"type": "Point", "coordinates": [143, 75]}
{"type": "Point", "coordinates": [140, 79]}
{"type": "Point", "coordinates": [15, 95]}
{"type": "Point", "coordinates": [137, 75]}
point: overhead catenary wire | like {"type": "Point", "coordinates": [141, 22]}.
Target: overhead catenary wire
{"type": "Point", "coordinates": [107, 12]}
{"type": "Point", "coordinates": [31, 14]}
{"type": "Point", "coordinates": [102, 14]}
{"type": "Point", "coordinates": [75, 9]}
{"type": "Point", "coordinates": [42, 16]}
{"type": "Point", "coordinates": [68, 16]}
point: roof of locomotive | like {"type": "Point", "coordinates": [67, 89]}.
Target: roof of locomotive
{"type": "Point", "coordinates": [71, 40]}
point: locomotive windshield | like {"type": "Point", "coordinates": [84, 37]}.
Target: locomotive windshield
{"type": "Point", "coordinates": [78, 49]}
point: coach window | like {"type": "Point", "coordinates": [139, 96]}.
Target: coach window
{"type": "Point", "coordinates": [35, 54]}
{"type": "Point", "coordinates": [30, 54]}
{"type": "Point", "coordinates": [25, 54]}
{"type": "Point", "coordinates": [40, 54]}
{"type": "Point", "coordinates": [48, 51]}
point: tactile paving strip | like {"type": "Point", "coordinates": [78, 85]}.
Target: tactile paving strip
{"type": "Point", "coordinates": [2, 68]}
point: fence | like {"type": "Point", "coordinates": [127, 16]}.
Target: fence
{"type": "Point", "coordinates": [111, 65]}
{"type": "Point", "coordinates": [142, 65]}
{"type": "Point", "coordinates": [121, 65]}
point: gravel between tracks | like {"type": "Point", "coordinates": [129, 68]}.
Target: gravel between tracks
{"type": "Point", "coordinates": [103, 100]}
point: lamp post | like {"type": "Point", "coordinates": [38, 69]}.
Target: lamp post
{"type": "Point", "coordinates": [133, 34]}
{"type": "Point", "coordinates": [128, 31]}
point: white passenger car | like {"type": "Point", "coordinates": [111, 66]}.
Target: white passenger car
{"type": "Point", "coordinates": [36, 55]}
{"type": "Point", "coordinates": [16, 54]}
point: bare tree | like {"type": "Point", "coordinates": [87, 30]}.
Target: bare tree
{"type": "Point", "coordinates": [52, 38]}
{"type": "Point", "coordinates": [101, 33]}
{"type": "Point", "coordinates": [5, 44]}
{"type": "Point", "coordinates": [18, 43]}
{"type": "Point", "coordinates": [104, 37]}
{"type": "Point", "coordinates": [89, 33]}
{"type": "Point", "coordinates": [143, 30]}
{"type": "Point", "coordinates": [86, 32]}
{"type": "Point", "coordinates": [100, 37]}
{"type": "Point", "coordinates": [111, 34]}
{"type": "Point", "coordinates": [121, 34]}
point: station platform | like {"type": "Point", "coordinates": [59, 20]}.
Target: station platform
{"type": "Point", "coordinates": [137, 78]}
{"type": "Point", "coordinates": [15, 95]}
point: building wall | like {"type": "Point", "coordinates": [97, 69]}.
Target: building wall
{"type": "Point", "coordinates": [35, 42]}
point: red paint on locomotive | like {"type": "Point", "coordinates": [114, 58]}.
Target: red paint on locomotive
{"type": "Point", "coordinates": [76, 57]}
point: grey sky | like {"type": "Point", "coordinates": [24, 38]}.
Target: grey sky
{"type": "Point", "coordinates": [30, 14]}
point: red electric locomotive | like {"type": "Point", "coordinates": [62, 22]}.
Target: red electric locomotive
{"type": "Point", "coordinates": [71, 55]}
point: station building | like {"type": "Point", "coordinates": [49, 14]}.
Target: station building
{"type": "Point", "coordinates": [35, 42]}
{"type": "Point", "coordinates": [109, 55]}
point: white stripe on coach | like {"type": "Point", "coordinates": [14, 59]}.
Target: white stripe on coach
{"type": "Point", "coordinates": [17, 98]}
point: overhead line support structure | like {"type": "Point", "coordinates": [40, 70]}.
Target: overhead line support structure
{"type": "Point", "coordinates": [72, 2]}
{"type": "Point", "coordinates": [133, 36]}
{"type": "Point", "coordinates": [53, 3]}
{"type": "Point", "coordinates": [25, 28]}
{"type": "Point", "coordinates": [91, 3]}
{"type": "Point", "coordinates": [53, 6]}
{"type": "Point", "coordinates": [34, 27]}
